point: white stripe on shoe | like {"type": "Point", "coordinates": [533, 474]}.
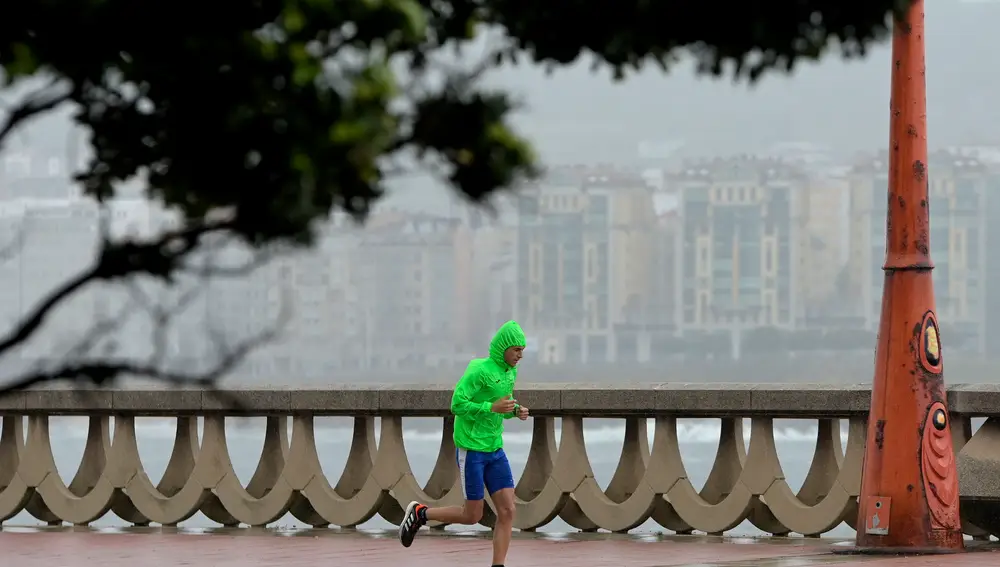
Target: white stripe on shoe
{"type": "Point", "coordinates": [408, 527]}
{"type": "Point", "coordinates": [410, 517]}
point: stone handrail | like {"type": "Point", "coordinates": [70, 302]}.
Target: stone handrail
{"type": "Point", "coordinates": [649, 482]}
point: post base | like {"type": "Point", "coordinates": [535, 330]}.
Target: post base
{"type": "Point", "coordinates": [849, 548]}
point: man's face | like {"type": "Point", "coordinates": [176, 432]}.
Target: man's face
{"type": "Point", "coordinates": [513, 355]}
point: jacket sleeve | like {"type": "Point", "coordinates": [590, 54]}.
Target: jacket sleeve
{"type": "Point", "coordinates": [468, 386]}
{"type": "Point", "coordinates": [513, 414]}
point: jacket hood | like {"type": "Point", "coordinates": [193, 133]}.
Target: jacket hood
{"type": "Point", "coordinates": [509, 334]}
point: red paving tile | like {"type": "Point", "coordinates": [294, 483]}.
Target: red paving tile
{"type": "Point", "coordinates": [69, 549]}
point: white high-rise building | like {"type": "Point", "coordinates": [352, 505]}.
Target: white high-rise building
{"type": "Point", "coordinates": [307, 295]}
{"type": "Point", "coordinates": [47, 242]}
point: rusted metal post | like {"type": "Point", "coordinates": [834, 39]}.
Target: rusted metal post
{"type": "Point", "coordinates": [909, 488]}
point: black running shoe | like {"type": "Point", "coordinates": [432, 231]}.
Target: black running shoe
{"type": "Point", "coordinates": [411, 523]}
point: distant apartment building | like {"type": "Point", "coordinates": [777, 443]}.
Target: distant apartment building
{"type": "Point", "coordinates": [493, 281]}
{"type": "Point", "coordinates": [740, 237]}
{"type": "Point", "coordinates": [655, 326]}
{"type": "Point", "coordinates": [824, 243]}
{"type": "Point", "coordinates": [307, 295]}
{"type": "Point", "coordinates": [45, 243]}
{"type": "Point", "coordinates": [27, 174]}
{"type": "Point", "coordinates": [48, 242]}
{"type": "Point", "coordinates": [44, 233]}
{"type": "Point", "coordinates": [412, 272]}
{"type": "Point", "coordinates": [868, 183]}
{"type": "Point", "coordinates": [644, 242]}
{"type": "Point", "coordinates": [991, 252]}
{"type": "Point", "coordinates": [958, 188]}
{"type": "Point", "coordinates": [322, 332]}
{"type": "Point", "coordinates": [582, 260]}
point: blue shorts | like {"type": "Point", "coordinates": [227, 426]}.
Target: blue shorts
{"type": "Point", "coordinates": [476, 470]}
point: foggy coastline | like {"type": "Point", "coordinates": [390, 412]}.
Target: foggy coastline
{"type": "Point", "coordinates": [834, 369]}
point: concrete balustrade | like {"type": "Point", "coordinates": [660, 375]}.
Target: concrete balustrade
{"type": "Point", "coordinates": [745, 483]}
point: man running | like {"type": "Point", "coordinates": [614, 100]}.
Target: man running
{"type": "Point", "coordinates": [483, 399]}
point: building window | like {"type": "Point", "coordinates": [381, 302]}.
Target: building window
{"type": "Point", "coordinates": [597, 349]}
{"type": "Point", "coordinates": [574, 348]}
{"type": "Point", "coordinates": [528, 205]}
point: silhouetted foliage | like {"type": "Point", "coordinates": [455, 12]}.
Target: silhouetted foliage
{"type": "Point", "coordinates": [258, 118]}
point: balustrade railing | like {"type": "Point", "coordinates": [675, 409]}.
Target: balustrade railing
{"type": "Point", "coordinates": [746, 483]}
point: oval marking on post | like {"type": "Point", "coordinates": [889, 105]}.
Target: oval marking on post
{"type": "Point", "coordinates": [930, 344]}
{"type": "Point", "coordinates": [940, 420]}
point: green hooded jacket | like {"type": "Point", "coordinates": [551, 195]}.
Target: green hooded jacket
{"type": "Point", "coordinates": [485, 381]}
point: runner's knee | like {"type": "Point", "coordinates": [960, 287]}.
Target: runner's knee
{"type": "Point", "coordinates": [505, 511]}
{"type": "Point", "coordinates": [472, 513]}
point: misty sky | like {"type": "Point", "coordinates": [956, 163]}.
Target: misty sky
{"type": "Point", "coordinates": [577, 116]}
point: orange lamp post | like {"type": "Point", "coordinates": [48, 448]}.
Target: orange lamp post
{"type": "Point", "coordinates": [909, 490]}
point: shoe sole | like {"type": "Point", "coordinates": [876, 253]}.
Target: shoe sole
{"type": "Point", "coordinates": [402, 529]}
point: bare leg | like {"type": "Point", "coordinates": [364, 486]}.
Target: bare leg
{"type": "Point", "coordinates": [418, 514]}
{"type": "Point", "coordinates": [503, 501]}
{"type": "Point", "coordinates": [468, 514]}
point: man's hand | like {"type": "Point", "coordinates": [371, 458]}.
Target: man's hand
{"type": "Point", "coordinates": [522, 413]}
{"type": "Point", "coordinates": [505, 405]}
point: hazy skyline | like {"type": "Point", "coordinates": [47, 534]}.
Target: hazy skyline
{"type": "Point", "coordinates": [576, 116]}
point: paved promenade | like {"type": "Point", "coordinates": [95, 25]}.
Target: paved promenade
{"type": "Point", "coordinates": [68, 547]}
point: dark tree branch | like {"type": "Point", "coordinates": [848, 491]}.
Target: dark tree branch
{"type": "Point", "coordinates": [34, 320]}
{"type": "Point", "coordinates": [101, 330]}
{"type": "Point", "coordinates": [209, 266]}
{"type": "Point", "coordinates": [103, 372]}
{"type": "Point", "coordinates": [116, 260]}
{"type": "Point", "coordinates": [161, 317]}
{"type": "Point", "coordinates": [38, 102]}
{"type": "Point", "coordinates": [11, 248]}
